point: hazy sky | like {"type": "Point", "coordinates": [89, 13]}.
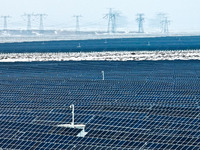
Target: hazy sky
{"type": "Point", "coordinates": [184, 14]}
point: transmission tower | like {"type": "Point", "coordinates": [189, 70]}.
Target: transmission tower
{"type": "Point", "coordinates": [111, 16]}
{"type": "Point", "coordinates": [114, 22]}
{"type": "Point", "coordinates": [140, 21]}
{"type": "Point", "coordinates": [77, 23]}
{"type": "Point", "coordinates": [41, 17]}
{"type": "Point", "coordinates": [29, 16]}
{"type": "Point", "coordinates": [5, 21]}
{"type": "Point", "coordinates": [165, 25]}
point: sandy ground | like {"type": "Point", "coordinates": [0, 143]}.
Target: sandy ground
{"type": "Point", "coordinates": [100, 56]}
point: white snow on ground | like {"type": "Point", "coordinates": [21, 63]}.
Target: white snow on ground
{"type": "Point", "coordinates": [9, 38]}
{"type": "Point", "coordinates": [42, 38]}
{"type": "Point", "coordinates": [100, 56]}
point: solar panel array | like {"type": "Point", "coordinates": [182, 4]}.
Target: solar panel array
{"type": "Point", "coordinates": [139, 105]}
{"type": "Point", "coordinates": [116, 44]}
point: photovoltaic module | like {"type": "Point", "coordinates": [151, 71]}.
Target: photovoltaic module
{"type": "Point", "coordinates": [138, 105]}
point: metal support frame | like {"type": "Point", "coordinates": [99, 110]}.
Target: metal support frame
{"type": "Point", "coordinates": [103, 76]}
{"type": "Point", "coordinates": [72, 125]}
{"type": "Point", "coordinates": [72, 107]}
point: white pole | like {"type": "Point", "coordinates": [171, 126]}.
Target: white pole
{"type": "Point", "coordinates": [102, 74]}
{"type": "Point", "coordinates": [72, 107]}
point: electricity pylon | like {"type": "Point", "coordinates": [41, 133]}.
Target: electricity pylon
{"type": "Point", "coordinates": [165, 25]}
{"type": "Point", "coordinates": [41, 17]}
{"type": "Point", "coordinates": [5, 27]}
{"type": "Point", "coordinates": [77, 23]}
{"type": "Point", "coordinates": [114, 25]}
{"type": "Point", "coordinates": [29, 16]}
{"type": "Point", "coordinates": [140, 21]}
{"type": "Point", "coordinates": [111, 16]}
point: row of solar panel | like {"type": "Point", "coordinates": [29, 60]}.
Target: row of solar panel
{"type": "Point", "coordinates": [126, 113]}
{"type": "Point", "coordinates": [146, 121]}
{"type": "Point", "coordinates": [61, 137]}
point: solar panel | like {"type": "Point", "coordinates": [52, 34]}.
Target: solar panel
{"type": "Point", "coordinates": [139, 105]}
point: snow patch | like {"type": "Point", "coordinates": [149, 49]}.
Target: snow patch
{"type": "Point", "coordinates": [102, 56]}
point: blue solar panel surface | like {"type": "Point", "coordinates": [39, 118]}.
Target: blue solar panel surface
{"type": "Point", "coordinates": [120, 44]}
{"type": "Point", "coordinates": [139, 105]}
